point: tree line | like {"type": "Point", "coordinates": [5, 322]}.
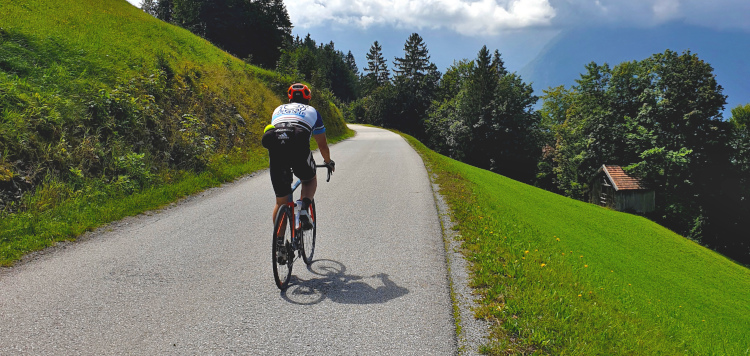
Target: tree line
{"type": "Point", "coordinates": [659, 118]}
{"type": "Point", "coordinates": [322, 65]}
{"type": "Point", "coordinates": [254, 30]}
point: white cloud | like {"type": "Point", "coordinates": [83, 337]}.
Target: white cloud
{"type": "Point", "coordinates": [490, 17]}
{"type": "Point", "coordinates": [666, 9]}
{"type": "Point", "coordinates": [713, 13]}
{"type": "Point", "coordinates": [468, 17]}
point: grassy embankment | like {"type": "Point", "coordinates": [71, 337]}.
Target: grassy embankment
{"type": "Point", "coordinates": [106, 112]}
{"type": "Point", "coordinates": [562, 277]}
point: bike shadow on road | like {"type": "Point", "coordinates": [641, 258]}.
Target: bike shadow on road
{"type": "Point", "coordinates": [332, 282]}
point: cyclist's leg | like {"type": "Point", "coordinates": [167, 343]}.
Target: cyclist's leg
{"type": "Point", "coordinates": [278, 142]}
{"type": "Point", "coordinates": [309, 188]}
{"type": "Point", "coordinates": [308, 192]}
{"type": "Point", "coordinates": [281, 179]}
{"type": "Point", "coordinates": [304, 166]}
{"type": "Point", "coordinates": [279, 203]}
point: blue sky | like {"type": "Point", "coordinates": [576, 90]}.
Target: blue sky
{"type": "Point", "coordinates": [519, 29]}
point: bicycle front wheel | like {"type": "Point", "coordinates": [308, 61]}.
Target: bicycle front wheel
{"type": "Point", "coordinates": [308, 238]}
{"type": "Point", "coordinates": [282, 252]}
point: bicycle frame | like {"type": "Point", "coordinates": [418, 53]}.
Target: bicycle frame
{"type": "Point", "coordinates": [290, 202]}
{"type": "Point", "coordinates": [296, 242]}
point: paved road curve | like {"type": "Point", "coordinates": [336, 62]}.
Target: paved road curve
{"type": "Point", "coordinates": [196, 278]}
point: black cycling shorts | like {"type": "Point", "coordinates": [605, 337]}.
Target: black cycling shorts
{"type": "Point", "coordinates": [289, 153]}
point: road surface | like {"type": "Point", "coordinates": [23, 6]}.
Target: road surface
{"type": "Point", "coordinates": [196, 278]}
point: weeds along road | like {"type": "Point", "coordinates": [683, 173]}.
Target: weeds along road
{"type": "Point", "coordinates": [196, 278]}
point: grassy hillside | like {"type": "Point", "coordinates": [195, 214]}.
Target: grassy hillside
{"type": "Point", "coordinates": [563, 277]}
{"type": "Point", "coordinates": [106, 111]}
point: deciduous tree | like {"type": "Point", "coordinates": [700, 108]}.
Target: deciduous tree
{"type": "Point", "coordinates": [489, 122]}
{"type": "Point", "coordinates": [659, 117]}
{"type": "Point", "coordinates": [255, 29]}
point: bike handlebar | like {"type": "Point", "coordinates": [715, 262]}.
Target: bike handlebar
{"type": "Point", "coordinates": [330, 169]}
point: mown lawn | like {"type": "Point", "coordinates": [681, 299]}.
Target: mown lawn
{"type": "Point", "coordinates": [562, 277]}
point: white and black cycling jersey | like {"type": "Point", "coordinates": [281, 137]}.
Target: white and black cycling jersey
{"type": "Point", "coordinates": [299, 115]}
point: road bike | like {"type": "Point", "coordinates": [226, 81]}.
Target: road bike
{"type": "Point", "coordinates": [288, 239]}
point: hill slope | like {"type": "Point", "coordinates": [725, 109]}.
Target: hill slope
{"type": "Point", "coordinates": [564, 58]}
{"type": "Point", "coordinates": [99, 100]}
{"type": "Point", "coordinates": [560, 276]}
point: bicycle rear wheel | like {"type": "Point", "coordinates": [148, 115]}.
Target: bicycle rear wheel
{"type": "Point", "coordinates": [282, 254]}
{"type": "Point", "coordinates": [308, 237]}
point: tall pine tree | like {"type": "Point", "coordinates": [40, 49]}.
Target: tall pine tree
{"type": "Point", "coordinates": [351, 63]}
{"type": "Point", "coordinates": [416, 60]}
{"type": "Point", "coordinates": [376, 72]}
{"type": "Point", "coordinates": [416, 83]}
{"type": "Point", "coordinates": [489, 122]}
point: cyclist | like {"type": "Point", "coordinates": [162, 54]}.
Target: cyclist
{"type": "Point", "coordinates": [287, 139]}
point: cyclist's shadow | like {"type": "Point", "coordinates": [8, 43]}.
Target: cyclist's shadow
{"type": "Point", "coordinates": [332, 282]}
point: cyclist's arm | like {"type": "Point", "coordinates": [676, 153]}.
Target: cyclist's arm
{"type": "Point", "coordinates": [322, 142]}
{"type": "Point", "coordinates": [319, 132]}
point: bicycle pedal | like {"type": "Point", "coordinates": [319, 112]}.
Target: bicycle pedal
{"type": "Point", "coordinates": [290, 252]}
{"type": "Point", "coordinates": [281, 257]}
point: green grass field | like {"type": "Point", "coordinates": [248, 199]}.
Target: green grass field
{"type": "Point", "coordinates": [71, 49]}
{"type": "Point", "coordinates": [107, 112]}
{"type": "Point", "coordinates": [111, 36]}
{"type": "Point", "coordinates": [563, 277]}
{"type": "Point", "coordinates": [557, 276]}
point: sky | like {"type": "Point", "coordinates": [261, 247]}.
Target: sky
{"type": "Point", "coordinates": [519, 29]}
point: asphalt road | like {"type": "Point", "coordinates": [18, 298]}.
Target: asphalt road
{"type": "Point", "coordinates": [196, 278]}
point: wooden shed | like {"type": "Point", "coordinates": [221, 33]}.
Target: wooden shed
{"type": "Point", "coordinates": [613, 188]}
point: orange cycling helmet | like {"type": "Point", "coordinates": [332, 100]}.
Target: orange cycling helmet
{"type": "Point", "coordinates": [299, 90]}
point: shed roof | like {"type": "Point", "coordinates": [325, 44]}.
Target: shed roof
{"type": "Point", "coordinates": [621, 180]}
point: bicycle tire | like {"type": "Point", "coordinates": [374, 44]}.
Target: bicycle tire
{"type": "Point", "coordinates": [308, 243]}
{"type": "Point", "coordinates": [282, 239]}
